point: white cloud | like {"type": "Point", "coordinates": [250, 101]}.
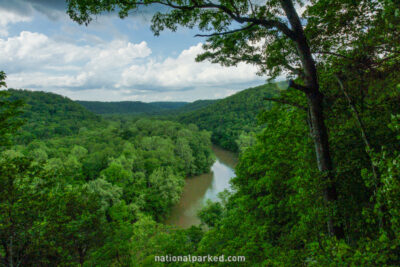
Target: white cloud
{"type": "Point", "coordinates": [182, 72]}
{"type": "Point", "coordinates": [7, 17]}
{"type": "Point", "coordinates": [34, 60]}
{"type": "Point", "coordinates": [118, 69]}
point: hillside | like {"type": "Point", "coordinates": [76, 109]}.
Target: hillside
{"type": "Point", "coordinates": [169, 105]}
{"type": "Point", "coordinates": [196, 105]}
{"type": "Point", "coordinates": [49, 114]}
{"type": "Point", "coordinates": [130, 107]}
{"type": "Point", "coordinates": [229, 117]}
{"type": "Point", "coordinates": [226, 118]}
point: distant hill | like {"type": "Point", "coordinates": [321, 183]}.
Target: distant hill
{"type": "Point", "coordinates": [49, 115]}
{"type": "Point", "coordinates": [169, 105]}
{"type": "Point", "coordinates": [229, 117]}
{"type": "Point", "coordinates": [196, 105]}
{"type": "Point", "coordinates": [130, 107]}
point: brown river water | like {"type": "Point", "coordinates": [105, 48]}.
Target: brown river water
{"type": "Point", "coordinates": [202, 187]}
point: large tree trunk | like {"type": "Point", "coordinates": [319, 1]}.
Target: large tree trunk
{"type": "Point", "coordinates": [324, 160]}
{"type": "Point", "coordinates": [315, 104]}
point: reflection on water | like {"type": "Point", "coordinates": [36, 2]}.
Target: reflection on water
{"type": "Point", "coordinates": [200, 188]}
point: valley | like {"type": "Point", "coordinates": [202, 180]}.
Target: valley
{"type": "Point", "coordinates": [199, 133]}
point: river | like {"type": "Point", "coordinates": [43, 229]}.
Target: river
{"type": "Point", "coordinates": [202, 187]}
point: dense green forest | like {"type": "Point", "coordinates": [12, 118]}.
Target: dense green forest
{"type": "Point", "coordinates": [231, 117]}
{"type": "Point", "coordinates": [231, 120]}
{"type": "Point", "coordinates": [74, 199]}
{"type": "Point", "coordinates": [137, 108]}
{"type": "Point", "coordinates": [47, 115]}
{"type": "Point", "coordinates": [196, 105]}
{"type": "Point", "coordinates": [318, 178]}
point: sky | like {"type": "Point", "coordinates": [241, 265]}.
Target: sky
{"type": "Point", "coordinates": [42, 49]}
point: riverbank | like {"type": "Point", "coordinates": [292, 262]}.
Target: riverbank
{"type": "Point", "coordinates": [199, 189]}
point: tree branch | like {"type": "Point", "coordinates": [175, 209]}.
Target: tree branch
{"type": "Point", "coordinates": [383, 60]}
{"type": "Point", "coordinates": [295, 70]}
{"type": "Point", "coordinates": [365, 139]}
{"type": "Point", "coordinates": [251, 7]}
{"type": "Point", "coordinates": [360, 125]}
{"type": "Point", "coordinates": [225, 33]}
{"type": "Point", "coordinates": [332, 54]}
{"type": "Point", "coordinates": [262, 22]}
{"type": "Point", "coordinates": [296, 86]}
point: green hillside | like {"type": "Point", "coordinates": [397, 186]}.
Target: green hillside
{"type": "Point", "coordinates": [196, 105]}
{"type": "Point", "coordinates": [123, 107]}
{"type": "Point", "coordinates": [169, 105]}
{"type": "Point", "coordinates": [229, 117]}
{"type": "Point", "coordinates": [48, 115]}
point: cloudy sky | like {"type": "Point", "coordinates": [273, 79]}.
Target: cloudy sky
{"type": "Point", "coordinates": [110, 60]}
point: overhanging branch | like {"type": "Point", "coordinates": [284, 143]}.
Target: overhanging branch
{"type": "Point", "coordinates": [302, 88]}
{"type": "Point", "coordinates": [267, 23]}
{"type": "Point", "coordinates": [295, 70]}
{"type": "Point", "coordinates": [225, 33]}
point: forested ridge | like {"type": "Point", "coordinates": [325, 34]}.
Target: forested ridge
{"type": "Point", "coordinates": [47, 115]}
{"type": "Point", "coordinates": [138, 108]}
{"type": "Point", "coordinates": [231, 120]}
{"type": "Point", "coordinates": [196, 105]}
{"type": "Point", "coordinates": [318, 178]}
{"type": "Point", "coordinates": [131, 107]}
{"type": "Point", "coordinates": [233, 116]}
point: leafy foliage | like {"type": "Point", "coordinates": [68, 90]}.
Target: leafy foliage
{"type": "Point", "coordinates": [9, 110]}
{"type": "Point", "coordinates": [230, 117]}
{"type": "Point", "coordinates": [98, 196]}
{"type": "Point", "coordinates": [75, 198]}
{"type": "Point", "coordinates": [48, 115]}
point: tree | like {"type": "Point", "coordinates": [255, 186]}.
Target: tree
{"type": "Point", "coordinates": [9, 110]}
{"type": "Point", "coordinates": [245, 31]}
{"type": "Point", "coordinates": [14, 222]}
{"type": "Point", "coordinates": [164, 190]}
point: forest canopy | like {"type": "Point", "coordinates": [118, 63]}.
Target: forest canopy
{"type": "Point", "coordinates": [318, 179]}
{"type": "Point", "coordinates": [68, 197]}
